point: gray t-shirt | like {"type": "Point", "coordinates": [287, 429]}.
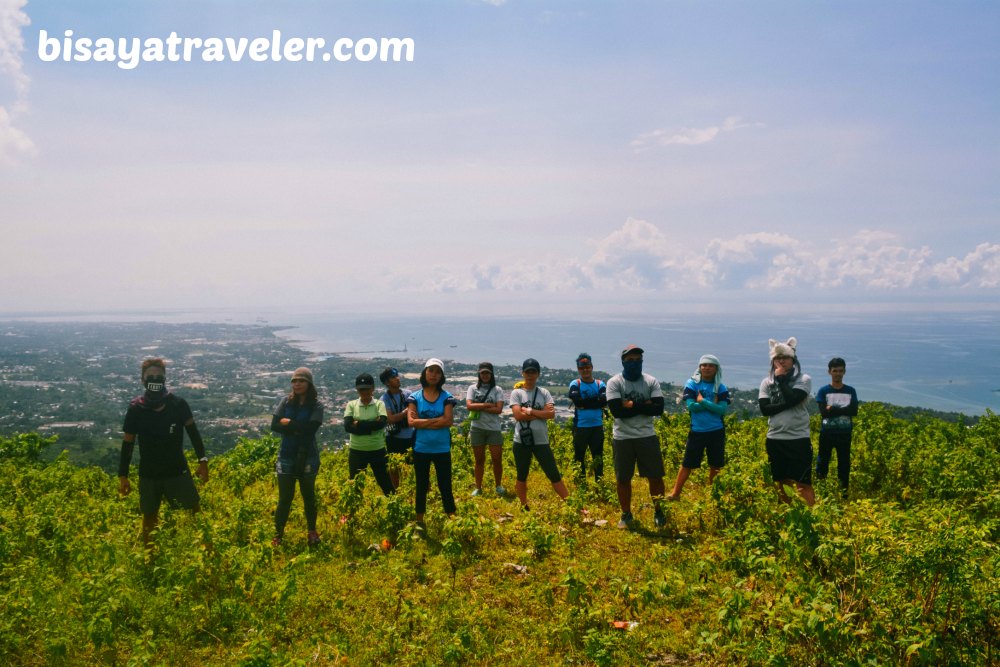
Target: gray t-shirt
{"type": "Point", "coordinates": [793, 423]}
{"type": "Point", "coordinates": [643, 389]}
{"type": "Point", "coordinates": [539, 427]}
{"type": "Point", "coordinates": [487, 421]}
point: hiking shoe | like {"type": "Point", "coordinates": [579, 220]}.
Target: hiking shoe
{"type": "Point", "coordinates": [313, 538]}
{"type": "Point", "coordinates": [275, 541]}
{"type": "Point", "coordinates": [477, 492]}
{"type": "Point", "coordinates": [626, 520]}
{"type": "Point", "coordinates": [659, 519]}
{"type": "Point", "coordinates": [501, 491]}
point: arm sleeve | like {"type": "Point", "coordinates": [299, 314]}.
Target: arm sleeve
{"type": "Point", "coordinates": [852, 409]}
{"type": "Point", "coordinates": [125, 460]}
{"type": "Point", "coordinates": [715, 408]}
{"type": "Point", "coordinates": [653, 409]}
{"type": "Point", "coordinates": [196, 441]}
{"type": "Point", "coordinates": [303, 428]}
{"type": "Point", "coordinates": [693, 405]}
{"type": "Point", "coordinates": [349, 424]}
{"type": "Point", "coordinates": [619, 411]}
{"type": "Point", "coordinates": [574, 394]}
{"type": "Point", "coordinates": [792, 398]}
{"type": "Point", "coordinates": [277, 426]}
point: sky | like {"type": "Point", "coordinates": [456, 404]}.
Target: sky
{"type": "Point", "coordinates": [536, 157]}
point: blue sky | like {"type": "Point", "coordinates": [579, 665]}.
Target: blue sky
{"type": "Point", "coordinates": [534, 156]}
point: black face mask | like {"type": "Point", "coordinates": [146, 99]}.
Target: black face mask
{"type": "Point", "coordinates": [156, 389]}
{"type": "Point", "coordinates": [156, 384]}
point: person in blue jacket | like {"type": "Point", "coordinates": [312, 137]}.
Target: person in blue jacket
{"type": "Point", "coordinates": [707, 400]}
{"type": "Point", "coordinates": [297, 418]}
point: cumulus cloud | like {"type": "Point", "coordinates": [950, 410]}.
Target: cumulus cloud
{"type": "Point", "coordinates": [640, 257]}
{"type": "Point", "coordinates": [688, 136]}
{"type": "Point", "coordinates": [978, 269]}
{"type": "Point", "coordinates": [14, 144]}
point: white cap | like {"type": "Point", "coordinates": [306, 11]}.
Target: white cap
{"type": "Point", "coordinates": [434, 362]}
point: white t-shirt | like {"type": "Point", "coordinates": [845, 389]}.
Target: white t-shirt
{"type": "Point", "coordinates": [639, 391]}
{"type": "Point", "coordinates": [793, 423]}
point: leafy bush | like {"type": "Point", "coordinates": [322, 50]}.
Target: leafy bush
{"type": "Point", "coordinates": [903, 573]}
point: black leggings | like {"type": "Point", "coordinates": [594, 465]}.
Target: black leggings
{"type": "Point", "coordinates": [442, 468]}
{"type": "Point", "coordinates": [286, 492]}
{"type": "Point", "coordinates": [592, 438]}
{"type": "Point", "coordinates": [358, 460]}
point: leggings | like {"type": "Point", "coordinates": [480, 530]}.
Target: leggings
{"type": "Point", "coordinates": [592, 438]}
{"type": "Point", "coordinates": [442, 468]}
{"type": "Point", "coordinates": [286, 492]}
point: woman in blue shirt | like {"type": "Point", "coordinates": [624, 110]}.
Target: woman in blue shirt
{"type": "Point", "coordinates": [431, 414]}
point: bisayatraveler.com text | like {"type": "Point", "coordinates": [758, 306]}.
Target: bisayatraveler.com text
{"type": "Point", "coordinates": [128, 52]}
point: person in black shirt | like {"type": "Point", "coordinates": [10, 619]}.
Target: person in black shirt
{"type": "Point", "coordinates": [158, 419]}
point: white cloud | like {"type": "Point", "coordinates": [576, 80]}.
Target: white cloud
{"type": "Point", "coordinates": [14, 143]}
{"type": "Point", "coordinates": [639, 257]}
{"type": "Point", "coordinates": [979, 269]}
{"type": "Point", "coordinates": [688, 136]}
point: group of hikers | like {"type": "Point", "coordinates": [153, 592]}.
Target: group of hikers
{"type": "Point", "coordinates": [418, 424]}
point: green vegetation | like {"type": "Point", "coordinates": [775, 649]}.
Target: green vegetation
{"type": "Point", "coordinates": [906, 572]}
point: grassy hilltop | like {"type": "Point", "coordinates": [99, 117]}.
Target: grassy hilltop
{"type": "Point", "coordinates": [906, 572]}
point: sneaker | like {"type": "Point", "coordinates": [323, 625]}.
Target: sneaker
{"type": "Point", "coordinates": [313, 538]}
{"type": "Point", "coordinates": [275, 541]}
{"type": "Point", "coordinates": [476, 493]}
{"type": "Point", "coordinates": [659, 519]}
{"type": "Point", "coordinates": [501, 491]}
{"type": "Point", "coordinates": [626, 520]}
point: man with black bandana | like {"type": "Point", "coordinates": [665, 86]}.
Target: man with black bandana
{"type": "Point", "coordinates": [158, 419]}
{"type": "Point", "coordinates": [635, 400]}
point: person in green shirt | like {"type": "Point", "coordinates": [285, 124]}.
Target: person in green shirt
{"type": "Point", "coordinates": [364, 419]}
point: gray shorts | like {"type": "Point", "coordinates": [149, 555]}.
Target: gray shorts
{"type": "Point", "coordinates": [644, 452]}
{"type": "Point", "coordinates": [479, 437]}
{"type": "Point", "coordinates": [179, 492]}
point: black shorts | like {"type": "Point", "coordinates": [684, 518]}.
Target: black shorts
{"type": "Point", "coordinates": [699, 442]}
{"type": "Point", "coordinates": [543, 454]}
{"type": "Point", "coordinates": [644, 452]}
{"type": "Point", "coordinates": [790, 459]}
{"type": "Point", "coordinates": [399, 445]}
{"type": "Point", "coordinates": [179, 492]}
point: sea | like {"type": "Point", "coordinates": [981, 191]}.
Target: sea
{"type": "Point", "coordinates": [945, 360]}
{"type": "Point", "coordinates": [941, 361]}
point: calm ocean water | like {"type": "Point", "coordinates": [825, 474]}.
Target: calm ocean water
{"type": "Point", "coordinates": [939, 360]}
{"type": "Point", "coordinates": [943, 361]}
